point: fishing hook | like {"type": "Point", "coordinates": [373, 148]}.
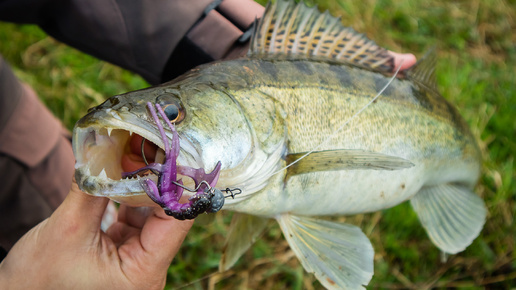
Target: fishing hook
{"type": "Point", "coordinates": [145, 159]}
{"type": "Point", "coordinates": [210, 189]}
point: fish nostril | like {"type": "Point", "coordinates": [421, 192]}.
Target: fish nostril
{"type": "Point", "coordinates": [114, 101]}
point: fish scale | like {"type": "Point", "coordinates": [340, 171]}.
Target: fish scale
{"type": "Point", "coordinates": [404, 112]}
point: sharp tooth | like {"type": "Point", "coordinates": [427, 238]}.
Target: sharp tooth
{"type": "Point", "coordinates": [115, 115]}
{"type": "Point", "coordinates": [109, 131]}
{"type": "Point", "coordinates": [103, 174]}
{"type": "Point", "coordinates": [130, 133]}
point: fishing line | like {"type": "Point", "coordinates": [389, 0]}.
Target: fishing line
{"type": "Point", "coordinates": [198, 280]}
{"type": "Point", "coordinates": [344, 124]}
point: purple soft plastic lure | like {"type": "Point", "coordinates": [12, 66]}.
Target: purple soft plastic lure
{"type": "Point", "coordinates": [169, 190]}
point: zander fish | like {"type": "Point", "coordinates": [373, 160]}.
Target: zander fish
{"type": "Point", "coordinates": [307, 85]}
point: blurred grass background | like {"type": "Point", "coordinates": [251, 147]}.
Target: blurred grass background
{"type": "Point", "coordinates": [476, 71]}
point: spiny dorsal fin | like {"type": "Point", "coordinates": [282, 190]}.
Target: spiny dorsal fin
{"type": "Point", "coordinates": [296, 29]}
{"type": "Point", "coordinates": [423, 72]}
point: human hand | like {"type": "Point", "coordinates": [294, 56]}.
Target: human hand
{"type": "Point", "coordinates": [69, 251]}
{"type": "Point", "coordinates": [406, 60]}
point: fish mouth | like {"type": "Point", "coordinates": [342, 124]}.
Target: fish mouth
{"type": "Point", "coordinates": [100, 152]}
{"type": "Point", "coordinates": [105, 145]}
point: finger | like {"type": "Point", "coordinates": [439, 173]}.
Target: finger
{"type": "Point", "coordinates": [405, 59]}
{"type": "Point", "coordinates": [80, 212]}
{"type": "Point", "coordinates": [162, 236]}
{"type": "Point", "coordinates": [120, 233]}
{"type": "Point", "coordinates": [134, 216]}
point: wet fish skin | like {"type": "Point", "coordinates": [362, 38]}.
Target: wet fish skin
{"type": "Point", "coordinates": [273, 108]}
{"type": "Point", "coordinates": [258, 114]}
{"type": "Point", "coordinates": [407, 121]}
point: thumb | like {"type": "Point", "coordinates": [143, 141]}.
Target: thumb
{"type": "Point", "coordinates": [80, 212]}
{"type": "Point", "coordinates": [162, 236]}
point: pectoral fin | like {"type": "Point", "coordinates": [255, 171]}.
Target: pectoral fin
{"type": "Point", "coordinates": [243, 232]}
{"type": "Point", "coordinates": [339, 255]}
{"type": "Point", "coordinates": [332, 160]}
{"type": "Point", "coordinates": [452, 215]}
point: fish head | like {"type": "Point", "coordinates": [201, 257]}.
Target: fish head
{"type": "Point", "coordinates": [108, 141]}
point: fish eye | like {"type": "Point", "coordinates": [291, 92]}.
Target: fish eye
{"type": "Point", "coordinates": [172, 112]}
{"type": "Point", "coordinates": [172, 107]}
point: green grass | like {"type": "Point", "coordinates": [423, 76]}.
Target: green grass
{"type": "Point", "coordinates": [476, 71]}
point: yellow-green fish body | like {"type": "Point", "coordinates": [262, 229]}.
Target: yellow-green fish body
{"type": "Point", "coordinates": [294, 105]}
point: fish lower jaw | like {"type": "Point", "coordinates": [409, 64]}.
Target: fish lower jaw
{"type": "Point", "coordinates": [102, 185]}
{"type": "Point", "coordinates": [127, 191]}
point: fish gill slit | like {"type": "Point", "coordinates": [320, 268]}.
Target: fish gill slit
{"type": "Point", "coordinates": [343, 124]}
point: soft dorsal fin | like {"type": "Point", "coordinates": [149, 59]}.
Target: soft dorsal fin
{"type": "Point", "coordinates": [423, 72]}
{"type": "Point", "coordinates": [295, 29]}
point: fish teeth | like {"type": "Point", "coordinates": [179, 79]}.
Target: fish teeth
{"type": "Point", "coordinates": [109, 131]}
{"type": "Point", "coordinates": [102, 174]}
{"type": "Point", "coordinates": [130, 133]}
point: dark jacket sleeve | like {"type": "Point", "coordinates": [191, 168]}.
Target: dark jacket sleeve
{"type": "Point", "coordinates": [157, 39]}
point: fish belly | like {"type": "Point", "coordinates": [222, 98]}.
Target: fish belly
{"type": "Point", "coordinates": [352, 192]}
{"type": "Point", "coordinates": [349, 192]}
